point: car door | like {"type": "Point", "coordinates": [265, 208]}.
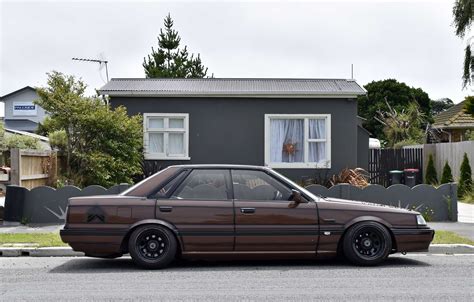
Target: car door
{"type": "Point", "coordinates": [201, 209]}
{"type": "Point", "coordinates": [265, 218]}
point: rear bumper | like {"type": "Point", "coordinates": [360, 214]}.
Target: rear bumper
{"type": "Point", "coordinates": [413, 240]}
{"type": "Point", "coordinates": [93, 241]}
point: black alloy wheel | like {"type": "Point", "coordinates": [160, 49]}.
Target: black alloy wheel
{"type": "Point", "coordinates": [367, 243]}
{"type": "Point", "coordinates": [152, 246]}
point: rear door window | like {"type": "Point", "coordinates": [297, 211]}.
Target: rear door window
{"type": "Point", "coordinates": [204, 184]}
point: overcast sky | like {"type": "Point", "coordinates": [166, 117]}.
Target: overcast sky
{"type": "Point", "coordinates": [411, 41]}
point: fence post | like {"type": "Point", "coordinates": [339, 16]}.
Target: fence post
{"type": "Point", "coordinates": [14, 204]}
{"type": "Point", "coordinates": [15, 158]}
{"type": "Point", "coordinates": [453, 195]}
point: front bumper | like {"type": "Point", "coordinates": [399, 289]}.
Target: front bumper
{"type": "Point", "coordinates": [413, 239]}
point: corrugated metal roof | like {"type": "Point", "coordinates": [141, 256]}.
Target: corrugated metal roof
{"type": "Point", "coordinates": [232, 87]}
{"type": "Point", "coordinates": [454, 117]}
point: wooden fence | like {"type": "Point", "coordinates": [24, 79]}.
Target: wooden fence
{"type": "Point", "coordinates": [382, 161]}
{"type": "Point", "coordinates": [32, 168]}
{"type": "Point", "coordinates": [447, 152]}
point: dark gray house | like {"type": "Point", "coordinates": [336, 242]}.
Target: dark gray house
{"type": "Point", "coordinates": [293, 125]}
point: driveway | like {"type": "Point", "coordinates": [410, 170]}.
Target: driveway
{"type": "Point", "coordinates": [465, 212]}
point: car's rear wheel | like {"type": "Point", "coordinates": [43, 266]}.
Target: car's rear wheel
{"type": "Point", "coordinates": [367, 243]}
{"type": "Point", "coordinates": [152, 246]}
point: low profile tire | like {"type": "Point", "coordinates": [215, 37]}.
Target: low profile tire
{"type": "Point", "coordinates": [152, 246]}
{"type": "Point", "coordinates": [367, 243]}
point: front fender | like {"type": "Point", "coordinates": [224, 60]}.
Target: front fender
{"type": "Point", "coordinates": [367, 218]}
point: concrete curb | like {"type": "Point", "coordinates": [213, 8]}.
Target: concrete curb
{"type": "Point", "coordinates": [39, 252]}
{"type": "Point", "coordinates": [446, 249]}
{"type": "Point", "coordinates": [451, 249]}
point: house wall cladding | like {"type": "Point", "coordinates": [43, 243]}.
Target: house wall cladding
{"type": "Point", "coordinates": [45, 204]}
{"type": "Point", "coordinates": [442, 200]}
{"type": "Point", "coordinates": [232, 130]}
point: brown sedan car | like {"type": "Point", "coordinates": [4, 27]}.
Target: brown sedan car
{"type": "Point", "coordinates": [217, 211]}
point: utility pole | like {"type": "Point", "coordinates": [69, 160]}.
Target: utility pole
{"type": "Point", "coordinates": [96, 61]}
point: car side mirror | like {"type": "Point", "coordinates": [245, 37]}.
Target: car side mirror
{"type": "Point", "coordinates": [295, 198]}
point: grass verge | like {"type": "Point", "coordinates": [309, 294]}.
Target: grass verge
{"type": "Point", "coordinates": [53, 239]}
{"type": "Point", "coordinates": [40, 239]}
{"type": "Point", "coordinates": [447, 237]}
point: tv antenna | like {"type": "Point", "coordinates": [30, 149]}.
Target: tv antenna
{"type": "Point", "coordinates": [101, 63]}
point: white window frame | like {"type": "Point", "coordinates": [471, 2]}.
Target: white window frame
{"type": "Point", "coordinates": [306, 164]}
{"type": "Point", "coordinates": [166, 130]}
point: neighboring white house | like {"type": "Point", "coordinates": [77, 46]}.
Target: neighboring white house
{"type": "Point", "coordinates": [20, 111]}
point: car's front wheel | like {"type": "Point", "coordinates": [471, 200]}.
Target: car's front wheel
{"type": "Point", "coordinates": [367, 243]}
{"type": "Point", "coordinates": [152, 246]}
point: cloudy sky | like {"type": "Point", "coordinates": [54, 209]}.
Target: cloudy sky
{"type": "Point", "coordinates": [411, 41]}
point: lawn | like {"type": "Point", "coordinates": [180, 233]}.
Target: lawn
{"type": "Point", "coordinates": [447, 237]}
{"type": "Point", "coordinates": [39, 239]}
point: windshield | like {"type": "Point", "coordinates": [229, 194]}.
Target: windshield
{"type": "Point", "coordinates": [302, 190]}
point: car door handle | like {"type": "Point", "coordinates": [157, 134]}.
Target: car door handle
{"type": "Point", "coordinates": [247, 210]}
{"type": "Point", "coordinates": [166, 209]}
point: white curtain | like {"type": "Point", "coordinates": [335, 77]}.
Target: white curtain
{"type": "Point", "coordinates": [156, 142]}
{"type": "Point", "coordinates": [317, 150]}
{"type": "Point", "coordinates": [290, 131]}
{"type": "Point", "coordinates": [176, 143]}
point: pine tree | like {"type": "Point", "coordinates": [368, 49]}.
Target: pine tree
{"type": "Point", "coordinates": [431, 175]}
{"type": "Point", "coordinates": [447, 175]}
{"type": "Point", "coordinates": [465, 180]}
{"type": "Point", "coordinates": [169, 61]}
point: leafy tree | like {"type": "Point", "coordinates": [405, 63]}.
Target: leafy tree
{"type": "Point", "coordinates": [438, 106]}
{"type": "Point", "coordinates": [431, 175]}
{"type": "Point", "coordinates": [469, 105]}
{"type": "Point", "coordinates": [465, 180]}
{"type": "Point", "coordinates": [103, 145]}
{"type": "Point", "coordinates": [58, 140]}
{"type": "Point", "coordinates": [169, 61]}
{"type": "Point", "coordinates": [385, 93]}
{"type": "Point", "coordinates": [3, 146]}
{"type": "Point", "coordinates": [47, 126]}
{"type": "Point", "coordinates": [401, 128]}
{"type": "Point", "coordinates": [463, 14]}
{"type": "Point", "coordinates": [447, 175]}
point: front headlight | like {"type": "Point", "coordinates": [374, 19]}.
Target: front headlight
{"type": "Point", "coordinates": [420, 220]}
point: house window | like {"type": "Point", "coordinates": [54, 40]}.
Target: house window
{"type": "Point", "coordinates": [166, 136]}
{"type": "Point", "coordinates": [298, 140]}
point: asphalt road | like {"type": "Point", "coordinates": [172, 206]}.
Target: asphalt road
{"type": "Point", "coordinates": [401, 278]}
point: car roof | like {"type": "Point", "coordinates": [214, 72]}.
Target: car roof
{"type": "Point", "coordinates": [221, 166]}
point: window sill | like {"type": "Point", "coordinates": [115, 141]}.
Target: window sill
{"type": "Point", "coordinates": [299, 165]}
{"type": "Point", "coordinates": [160, 157]}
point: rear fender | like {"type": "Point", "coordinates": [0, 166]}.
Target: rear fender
{"type": "Point", "coordinates": [164, 223]}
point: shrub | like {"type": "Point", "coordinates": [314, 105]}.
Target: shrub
{"type": "Point", "coordinates": [22, 142]}
{"type": "Point", "coordinates": [465, 180]}
{"type": "Point", "coordinates": [447, 175]}
{"type": "Point", "coordinates": [431, 175]}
